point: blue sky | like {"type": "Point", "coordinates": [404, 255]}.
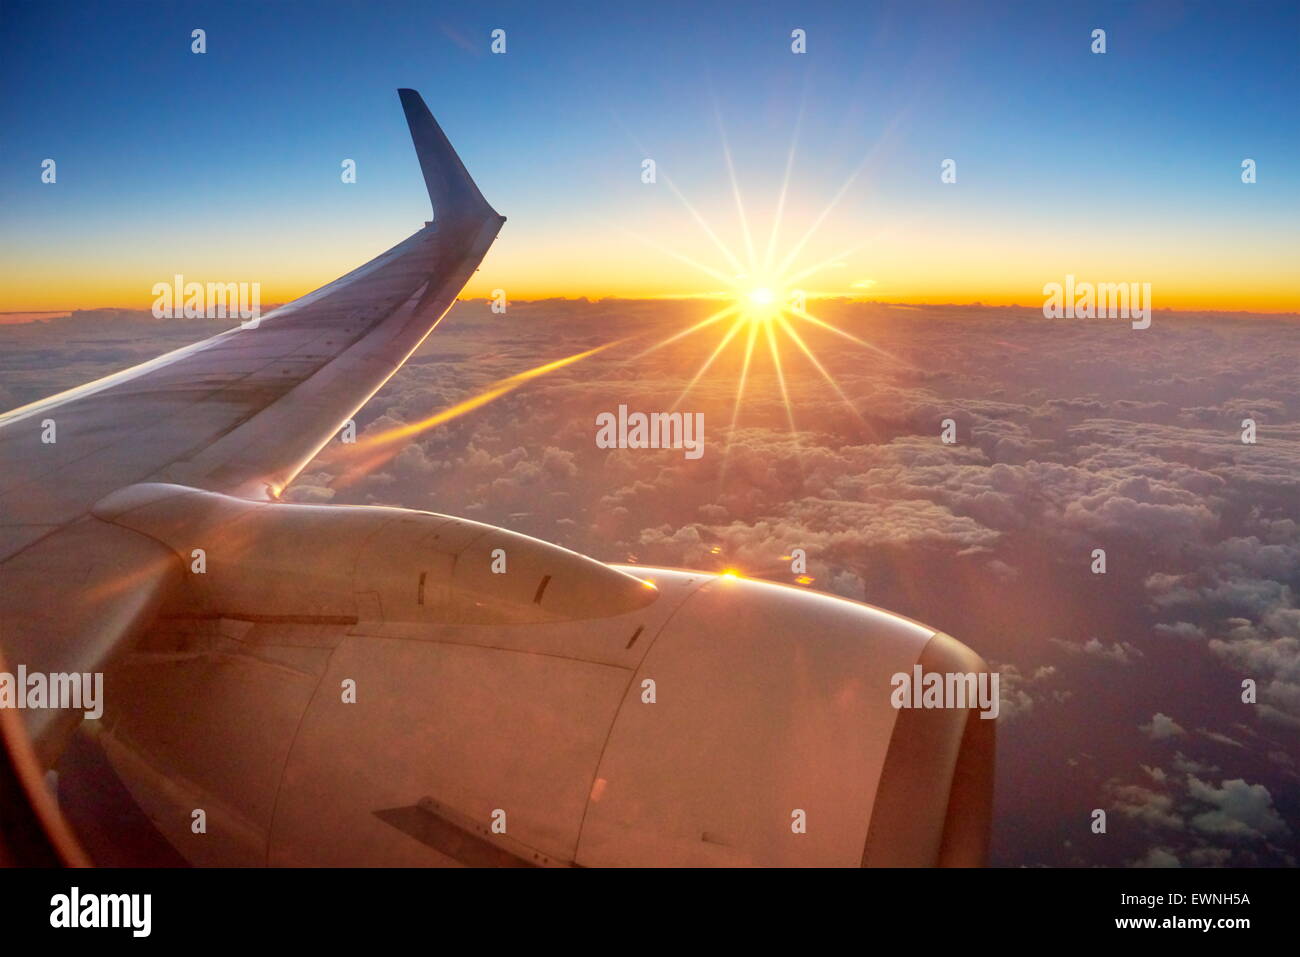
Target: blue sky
{"type": "Point", "coordinates": [1104, 160]}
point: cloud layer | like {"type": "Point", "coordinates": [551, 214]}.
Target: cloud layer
{"type": "Point", "coordinates": [1123, 689]}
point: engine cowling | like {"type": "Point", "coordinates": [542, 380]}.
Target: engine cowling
{"type": "Point", "coordinates": [353, 686]}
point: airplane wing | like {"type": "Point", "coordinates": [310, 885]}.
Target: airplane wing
{"type": "Point", "coordinates": [241, 413]}
{"type": "Point", "coordinates": [244, 411]}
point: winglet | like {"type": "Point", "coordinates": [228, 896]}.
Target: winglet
{"type": "Point", "coordinates": [451, 189]}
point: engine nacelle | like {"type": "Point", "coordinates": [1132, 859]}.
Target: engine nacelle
{"type": "Point", "coordinates": [565, 712]}
{"type": "Point", "coordinates": [267, 561]}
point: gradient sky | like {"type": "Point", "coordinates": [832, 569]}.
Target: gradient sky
{"type": "Point", "coordinates": [225, 166]}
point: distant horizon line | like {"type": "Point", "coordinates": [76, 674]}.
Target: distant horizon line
{"type": "Point", "coordinates": [37, 315]}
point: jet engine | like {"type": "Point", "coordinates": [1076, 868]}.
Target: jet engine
{"type": "Point", "coordinates": [329, 685]}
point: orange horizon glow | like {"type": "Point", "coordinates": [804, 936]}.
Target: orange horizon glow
{"type": "Point", "coordinates": [24, 304]}
{"type": "Point", "coordinates": [696, 251]}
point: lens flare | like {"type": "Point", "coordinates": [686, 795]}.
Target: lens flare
{"type": "Point", "coordinates": [762, 297]}
{"type": "Point", "coordinates": [375, 450]}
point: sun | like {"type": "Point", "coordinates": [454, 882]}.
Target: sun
{"type": "Point", "coordinates": [763, 302]}
{"type": "Point", "coordinates": [759, 303]}
{"type": "Point", "coordinates": [763, 307]}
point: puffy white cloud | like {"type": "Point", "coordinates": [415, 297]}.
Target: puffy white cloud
{"type": "Point", "coordinates": [1119, 652]}
{"type": "Point", "coordinates": [1239, 809]}
{"type": "Point", "coordinates": [1162, 727]}
{"type": "Point", "coordinates": [1154, 809]}
{"type": "Point", "coordinates": [1021, 693]}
